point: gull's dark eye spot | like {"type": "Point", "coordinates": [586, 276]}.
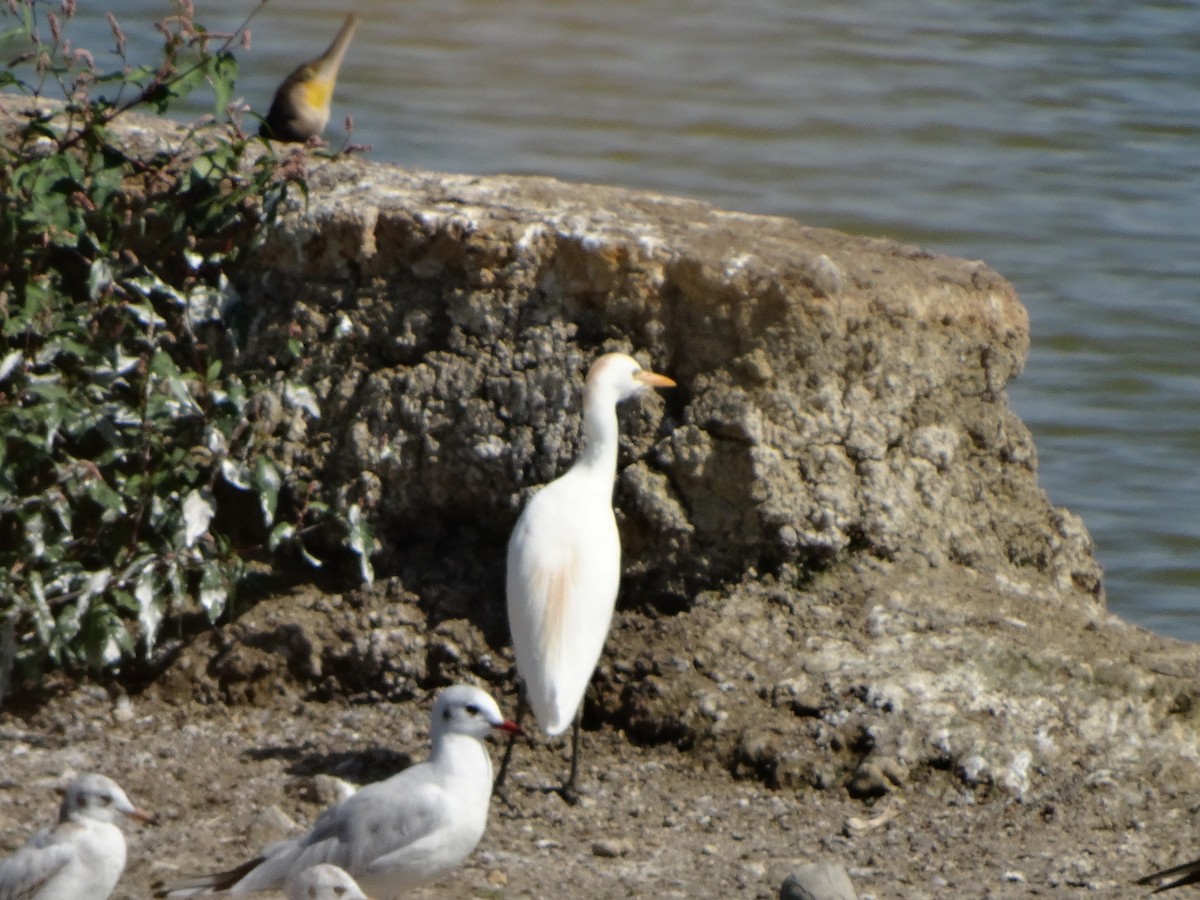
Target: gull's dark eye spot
{"type": "Point", "coordinates": [472, 709]}
{"type": "Point", "coordinates": [446, 715]}
{"type": "Point", "coordinates": [338, 890]}
{"type": "Point", "coordinates": [103, 799]}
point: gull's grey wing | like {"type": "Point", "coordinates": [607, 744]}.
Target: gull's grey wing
{"type": "Point", "coordinates": [396, 823]}
{"type": "Point", "coordinates": [25, 872]}
{"type": "Point", "coordinates": [374, 822]}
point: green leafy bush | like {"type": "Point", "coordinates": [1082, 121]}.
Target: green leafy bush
{"type": "Point", "coordinates": [121, 423]}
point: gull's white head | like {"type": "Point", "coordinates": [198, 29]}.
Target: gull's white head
{"type": "Point", "coordinates": [620, 376]}
{"type": "Point", "coordinates": [324, 882]}
{"type": "Point", "coordinates": [463, 709]}
{"type": "Point", "coordinates": [100, 798]}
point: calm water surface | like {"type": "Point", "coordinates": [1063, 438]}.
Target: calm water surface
{"type": "Point", "coordinates": [1060, 142]}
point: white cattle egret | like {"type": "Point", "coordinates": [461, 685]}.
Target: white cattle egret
{"type": "Point", "coordinates": [395, 834]}
{"type": "Point", "coordinates": [564, 561]}
{"type": "Point", "coordinates": [82, 856]}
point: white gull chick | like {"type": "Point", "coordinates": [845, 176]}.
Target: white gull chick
{"type": "Point", "coordinates": [395, 834]}
{"type": "Point", "coordinates": [564, 561]}
{"type": "Point", "coordinates": [324, 882]}
{"type": "Point", "coordinates": [82, 855]}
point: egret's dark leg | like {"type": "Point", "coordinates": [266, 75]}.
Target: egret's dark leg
{"type": "Point", "coordinates": [522, 707]}
{"type": "Point", "coordinates": [568, 791]}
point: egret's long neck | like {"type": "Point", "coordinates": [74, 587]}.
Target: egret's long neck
{"type": "Point", "coordinates": [600, 438]}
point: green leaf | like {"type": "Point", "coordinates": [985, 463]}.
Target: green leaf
{"type": "Point", "coordinates": [104, 637]}
{"type": "Point", "coordinates": [168, 374]}
{"type": "Point", "coordinates": [308, 557]}
{"type": "Point", "coordinates": [223, 71]}
{"type": "Point", "coordinates": [99, 277]}
{"type": "Point", "coordinates": [107, 182]}
{"type": "Point", "coordinates": [43, 619]}
{"type": "Point", "coordinates": [361, 541]}
{"type": "Point", "coordinates": [35, 536]}
{"type": "Point", "coordinates": [24, 29]}
{"type": "Point", "coordinates": [97, 583]}
{"type": "Point", "coordinates": [175, 582]}
{"type": "Point", "coordinates": [236, 474]}
{"type": "Point", "coordinates": [267, 482]}
{"type": "Point", "coordinates": [198, 512]}
{"type": "Point", "coordinates": [100, 492]}
{"type": "Point", "coordinates": [58, 504]}
{"type": "Point", "coordinates": [214, 591]}
{"type": "Point", "coordinates": [280, 534]}
{"type": "Point", "coordinates": [48, 391]}
{"type": "Point", "coordinates": [170, 93]}
{"type": "Point", "coordinates": [150, 604]}
{"type": "Point", "coordinates": [123, 600]}
{"type": "Point", "coordinates": [11, 362]}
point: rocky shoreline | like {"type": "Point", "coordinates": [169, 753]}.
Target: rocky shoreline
{"type": "Point", "coordinates": [852, 627]}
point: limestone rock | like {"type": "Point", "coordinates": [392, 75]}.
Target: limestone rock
{"type": "Point", "coordinates": [448, 322]}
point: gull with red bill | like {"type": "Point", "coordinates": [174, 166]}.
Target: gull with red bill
{"type": "Point", "coordinates": [396, 834]}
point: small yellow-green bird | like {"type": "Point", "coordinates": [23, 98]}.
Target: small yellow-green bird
{"type": "Point", "coordinates": [300, 109]}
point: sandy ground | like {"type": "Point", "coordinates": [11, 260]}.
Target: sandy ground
{"type": "Point", "coordinates": [651, 822]}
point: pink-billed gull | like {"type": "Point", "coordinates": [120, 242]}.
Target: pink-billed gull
{"type": "Point", "coordinates": [394, 834]}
